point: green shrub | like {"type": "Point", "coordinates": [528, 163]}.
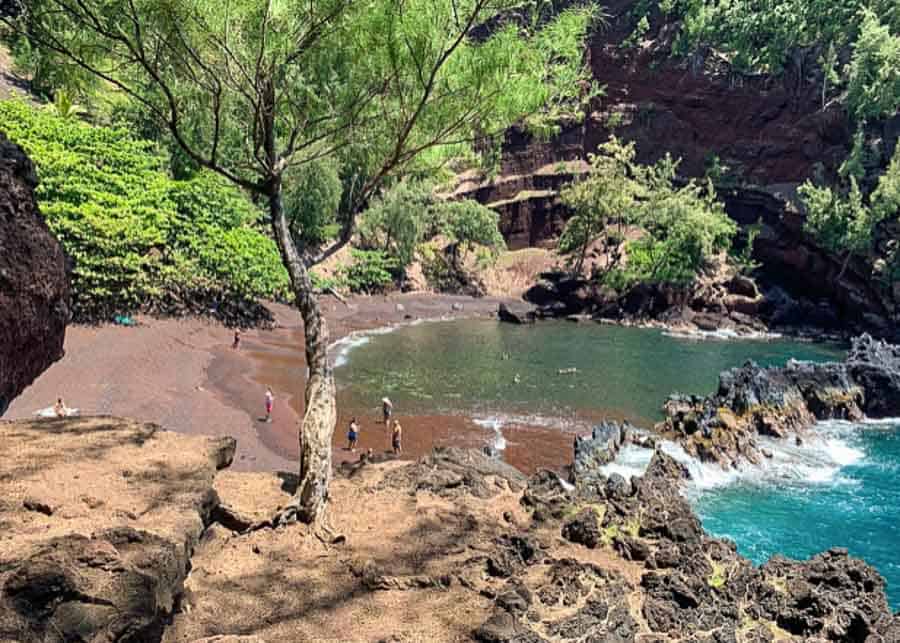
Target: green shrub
{"type": "Point", "coordinates": [138, 237]}
{"type": "Point", "coordinates": [371, 271]}
{"type": "Point", "coordinates": [312, 196]}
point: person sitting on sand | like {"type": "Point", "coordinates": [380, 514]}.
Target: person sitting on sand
{"type": "Point", "coordinates": [269, 399]}
{"type": "Point", "coordinates": [387, 408]}
{"type": "Point", "coordinates": [59, 409]}
{"type": "Point", "coordinates": [353, 435]}
{"type": "Point", "coordinates": [396, 438]}
{"type": "Point", "coordinates": [237, 339]}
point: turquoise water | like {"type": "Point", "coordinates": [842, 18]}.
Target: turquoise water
{"type": "Point", "coordinates": [488, 368]}
{"type": "Point", "coordinates": [841, 492]}
{"type": "Point", "coordinates": [839, 489]}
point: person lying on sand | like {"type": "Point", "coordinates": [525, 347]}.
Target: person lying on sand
{"type": "Point", "coordinates": [396, 438]}
{"type": "Point", "coordinates": [353, 435]}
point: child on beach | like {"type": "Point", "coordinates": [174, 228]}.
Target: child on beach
{"type": "Point", "coordinates": [396, 438]}
{"type": "Point", "coordinates": [353, 434]}
{"type": "Point", "coordinates": [237, 339]}
{"type": "Point", "coordinates": [269, 399]}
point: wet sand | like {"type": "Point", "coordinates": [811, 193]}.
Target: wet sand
{"type": "Point", "coordinates": [184, 376]}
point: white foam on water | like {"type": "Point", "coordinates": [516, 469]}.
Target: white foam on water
{"type": "Point", "coordinates": [721, 334]}
{"type": "Point", "coordinates": [818, 460]}
{"type": "Point", "coordinates": [495, 424]}
{"type": "Point", "coordinates": [631, 461]}
{"type": "Point", "coordinates": [342, 347]}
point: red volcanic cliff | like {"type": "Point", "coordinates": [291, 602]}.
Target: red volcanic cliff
{"type": "Point", "coordinates": [34, 286]}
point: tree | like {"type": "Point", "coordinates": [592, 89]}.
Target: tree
{"type": "Point", "coordinates": [397, 221]}
{"type": "Point", "coordinates": [605, 193]}
{"type": "Point", "coordinates": [469, 223]}
{"type": "Point", "coordinates": [251, 89]}
{"type": "Point", "coordinates": [873, 88]}
{"type": "Point", "coordinates": [845, 224]}
{"type": "Point", "coordinates": [684, 226]}
{"type": "Point", "coordinates": [312, 197]}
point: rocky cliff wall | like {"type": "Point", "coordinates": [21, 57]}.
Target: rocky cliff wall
{"type": "Point", "coordinates": [34, 286]}
{"type": "Point", "coordinates": [759, 136]}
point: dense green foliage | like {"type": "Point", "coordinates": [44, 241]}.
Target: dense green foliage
{"type": "Point", "coordinates": [767, 35]}
{"type": "Point", "coordinates": [136, 236]}
{"type": "Point", "coordinates": [846, 223]}
{"type": "Point", "coordinates": [606, 193]}
{"type": "Point", "coordinates": [312, 196]}
{"type": "Point", "coordinates": [410, 213]}
{"type": "Point", "coordinates": [682, 228]}
{"type": "Point", "coordinates": [371, 271]}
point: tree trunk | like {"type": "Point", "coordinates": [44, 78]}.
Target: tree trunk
{"type": "Point", "coordinates": [317, 428]}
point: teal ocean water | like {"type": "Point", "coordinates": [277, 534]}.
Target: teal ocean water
{"type": "Point", "coordinates": [837, 490]}
{"type": "Point", "coordinates": [487, 368]}
{"type": "Point", "coordinates": [842, 491]}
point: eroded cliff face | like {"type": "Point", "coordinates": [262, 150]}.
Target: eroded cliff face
{"type": "Point", "coordinates": [34, 285]}
{"type": "Point", "coordinates": [760, 137]}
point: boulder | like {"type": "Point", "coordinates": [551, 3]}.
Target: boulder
{"type": "Point", "coordinates": [34, 285]}
{"type": "Point", "coordinates": [129, 504]}
{"type": "Point", "coordinates": [583, 528]}
{"type": "Point", "coordinates": [596, 450]}
{"type": "Point", "coordinates": [512, 314]}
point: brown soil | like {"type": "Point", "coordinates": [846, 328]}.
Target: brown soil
{"type": "Point", "coordinates": [184, 375]}
{"type": "Point", "coordinates": [284, 585]}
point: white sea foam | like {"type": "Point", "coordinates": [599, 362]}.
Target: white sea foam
{"type": "Point", "coordinates": [721, 334]}
{"type": "Point", "coordinates": [494, 424]}
{"type": "Point", "coordinates": [828, 449]}
{"type": "Point", "coordinates": [342, 347]}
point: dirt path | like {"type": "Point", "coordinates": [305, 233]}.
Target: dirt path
{"type": "Point", "coordinates": [184, 375]}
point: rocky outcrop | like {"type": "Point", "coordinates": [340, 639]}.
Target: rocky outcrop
{"type": "Point", "coordinates": [34, 286]}
{"type": "Point", "coordinates": [758, 136]}
{"type": "Point", "coordinates": [513, 314]}
{"type": "Point", "coordinates": [686, 582]}
{"type": "Point", "coordinates": [596, 450]}
{"type": "Point", "coordinates": [728, 301]}
{"type": "Point", "coordinates": [781, 401]}
{"type": "Point", "coordinates": [126, 504]}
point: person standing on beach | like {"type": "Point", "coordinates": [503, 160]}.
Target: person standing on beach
{"type": "Point", "coordinates": [269, 399]}
{"type": "Point", "coordinates": [353, 434]}
{"type": "Point", "coordinates": [237, 339]}
{"type": "Point", "coordinates": [387, 408]}
{"type": "Point", "coordinates": [396, 438]}
{"type": "Point", "coordinates": [59, 409]}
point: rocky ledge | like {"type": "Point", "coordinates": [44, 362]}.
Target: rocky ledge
{"type": "Point", "coordinates": [100, 518]}
{"type": "Point", "coordinates": [753, 401]}
{"type": "Point", "coordinates": [104, 519]}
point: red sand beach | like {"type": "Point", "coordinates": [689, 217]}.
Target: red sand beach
{"type": "Point", "coordinates": [184, 376]}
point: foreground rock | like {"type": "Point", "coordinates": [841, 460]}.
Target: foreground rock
{"type": "Point", "coordinates": [753, 401]}
{"type": "Point", "coordinates": [34, 287]}
{"type": "Point", "coordinates": [458, 547]}
{"type": "Point", "coordinates": [100, 517]}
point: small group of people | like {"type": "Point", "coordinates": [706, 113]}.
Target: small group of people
{"type": "Point", "coordinates": [387, 409]}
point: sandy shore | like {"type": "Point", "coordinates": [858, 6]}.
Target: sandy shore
{"type": "Point", "coordinates": [184, 375]}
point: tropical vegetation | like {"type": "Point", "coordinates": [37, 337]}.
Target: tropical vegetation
{"type": "Point", "coordinates": [138, 238]}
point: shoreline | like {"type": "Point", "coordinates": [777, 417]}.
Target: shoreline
{"type": "Point", "coordinates": [182, 374]}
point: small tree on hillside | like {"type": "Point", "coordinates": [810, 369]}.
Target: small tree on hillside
{"type": "Point", "coordinates": [253, 88]}
{"type": "Point", "coordinates": [604, 195]}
